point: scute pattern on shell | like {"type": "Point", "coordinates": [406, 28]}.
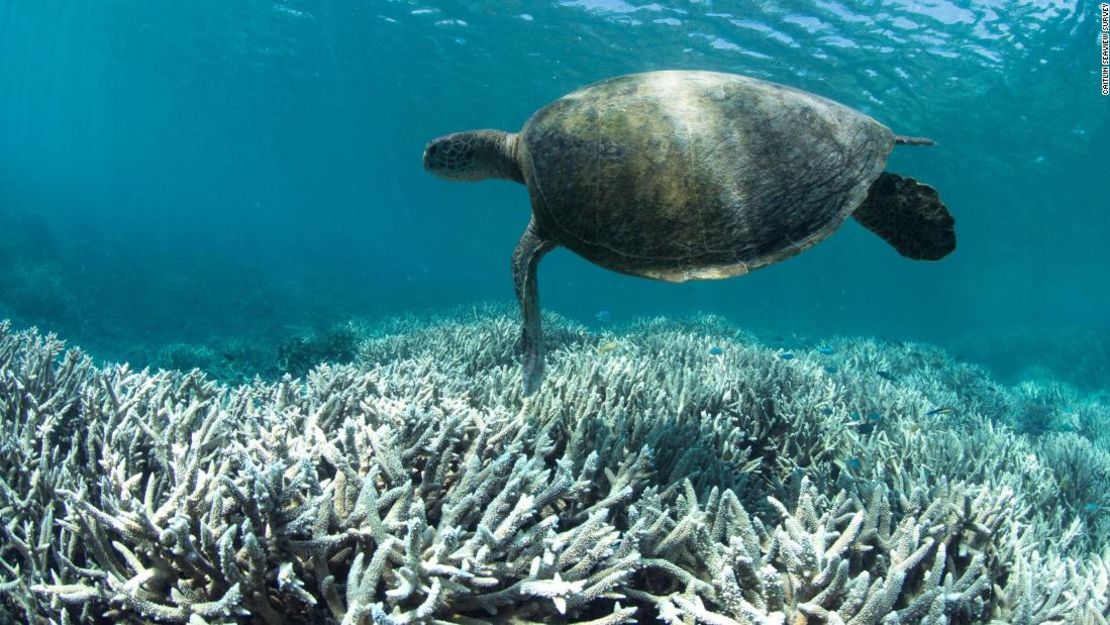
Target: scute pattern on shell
{"type": "Point", "coordinates": [683, 175]}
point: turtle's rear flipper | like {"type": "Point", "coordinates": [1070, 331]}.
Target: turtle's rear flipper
{"type": "Point", "coordinates": [909, 216]}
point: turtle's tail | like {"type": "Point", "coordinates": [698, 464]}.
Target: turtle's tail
{"type": "Point", "coordinates": [908, 140]}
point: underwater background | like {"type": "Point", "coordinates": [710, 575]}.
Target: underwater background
{"type": "Point", "coordinates": [202, 174]}
{"type": "Point", "coordinates": [257, 367]}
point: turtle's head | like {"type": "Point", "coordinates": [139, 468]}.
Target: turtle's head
{"type": "Point", "coordinates": [473, 155]}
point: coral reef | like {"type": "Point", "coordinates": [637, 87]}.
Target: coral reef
{"type": "Point", "coordinates": [227, 360]}
{"type": "Point", "coordinates": [683, 474]}
{"type": "Point", "coordinates": [237, 360]}
{"type": "Point", "coordinates": [1078, 355]}
{"type": "Point", "coordinates": [299, 353]}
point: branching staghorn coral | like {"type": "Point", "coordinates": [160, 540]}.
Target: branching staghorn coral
{"type": "Point", "coordinates": [412, 509]}
{"type": "Point", "coordinates": [836, 560]}
{"type": "Point", "coordinates": [658, 481]}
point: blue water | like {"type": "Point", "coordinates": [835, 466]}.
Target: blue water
{"type": "Point", "coordinates": [206, 171]}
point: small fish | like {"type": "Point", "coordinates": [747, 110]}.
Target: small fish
{"type": "Point", "coordinates": [716, 350]}
{"type": "Point", "coordinates": [603, 316]}
{"type": "Point", "coordinates": [607, 347]}
{"type": "Point", "coordinates": [941, 410]}
{"type": "Point", "coordinates": [824, 349]}
{"type": "Point", "coordinates": [855, 465]}
{"type": "Point", "coordinates": [787, 355]}
{"type": "Point", "coordinates": [830, 369]}
{"type": "Point", "coordinates": [826, 411]}
{"type": "Point", "coordinates": [865, 425]}
{"type": "Point", "coordinates": [1091, 507]}
{"type": "Point", "coordinates": [886, 375]}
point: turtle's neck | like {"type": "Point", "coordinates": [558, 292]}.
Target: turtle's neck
{"type": "Point", "coordinates": [497, 149]}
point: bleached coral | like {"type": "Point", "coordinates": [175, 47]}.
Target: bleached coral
{"type": "Point", "coordinates": [659, 480]}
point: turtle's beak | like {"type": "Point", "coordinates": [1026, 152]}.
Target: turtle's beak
{"type": "Point", "coordinates": [434, 154]}
{"type": "Point", "coordinates": [427, 163]}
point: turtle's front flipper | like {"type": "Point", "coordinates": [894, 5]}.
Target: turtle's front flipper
{"type": "Point", "coordinates": [909, 216]}
{"type": "Point", "coordinates": [526, 258]}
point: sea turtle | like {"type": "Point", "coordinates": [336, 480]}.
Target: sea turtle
{"type": "Point", "coordinates": [686, 175]}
